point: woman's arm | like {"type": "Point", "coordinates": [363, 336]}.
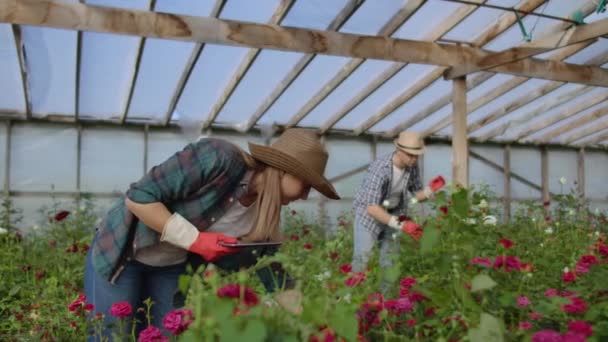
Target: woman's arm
{"type": "Point", "coordinates": [154, 215]}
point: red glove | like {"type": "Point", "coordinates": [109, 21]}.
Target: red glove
{"type": "Point", "coordinates": [207, 245]}
{"type": "Point", "coordinates": [179, 232]}
{"type": "Point", "coordinates": [437, 183]}
{"type": "Point", "coordinates": [412, 229]}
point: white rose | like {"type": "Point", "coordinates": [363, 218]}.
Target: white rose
{"type": "Point", "coordinates": [490, 220]}
{"type": "Point", "coordinates": [562, 180]}
{"type": "Point", "coordinates": [549, 230]}
{"type": "Point", "coordinates": [3, 231]}
{"type": "Point", "coordinates": [483, 204]}
{"type": "Point", "coordinates": [566, 269]}
{"type": "Point", "coordinates": [347, 298]}
{"type": "Point", "coordinates": [470, 221]}
{"type": "Point", "coordinates": [413, 200]}
{"type": "Point", "coordinates": [571, 212]}
{"type": "Point", "coordinates": [597, 233]}
{"type": "Point", "coordinates": [386, 203]}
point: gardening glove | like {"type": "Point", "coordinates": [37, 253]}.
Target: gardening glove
{"type": "Point", "coordinates": [179, 232]}
{"type": "Point", "coordinates": [290, 300]}
{"type": "Point", "coordinates": [434, 185]}
{"type": "Point", "coordinates": [412, 229]}
{"type": "Point", "coordinates": [394, 223]}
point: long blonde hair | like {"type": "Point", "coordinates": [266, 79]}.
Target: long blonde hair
{"type": "Point", "coordinates": [266, 225]}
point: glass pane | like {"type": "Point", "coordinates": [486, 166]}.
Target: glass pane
{"type": "Point", "coordinates": [347, 188]}
{"type": "Point", "coordinates": [596, 164]}
{"type": "Point", "coordinates": [34, 210]}
{"type": "Point", "coordinates": [478, 21]}
{"type": "Point", "coordinates": [481, 173]}
{"type": "Point", "coordinates": [162, 145]}
{"type": "Point", "coordinates": [403, 80]}
{"type": "Point", "coordinates": [417, 26]}
{"type": "Point", "coordinates": [346, 155]}
{"type": "Point", "coordinates": [51, 68]}
{"type": "Point", "coordinates": [427, 96]}
{"type": "Point", "coordinates": [50, 146]}
{"type": "Point", "coordinates": [371, 16]}
{"type": "Point", "coordinates": [106, 168]}
{"type": "Point", "coordinates": [3, 144]}
{"type": "Point", "coordinates": [355, 83]}
{"type": "Point", "coordinates": [313, 14]}
{"type": "Point", "coordinates": [525, 161]}
{"type": "Point", "coordinates": [563, 163]}
{"type": "Point", "coordinates": [11, 89]}
{"type": "Point", "coordinates": [437, 161]}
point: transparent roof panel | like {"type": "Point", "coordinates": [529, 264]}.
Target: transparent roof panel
{"type": "Point", "coordinates": [210, 75]}
{"type": "Point", "coordinates": [436, 90]}
{"type": "Point", "coordinates": [588, 53]}
{"type": "Point", "coordinates": [11, 89]}
{"type": "Point", "coordinates": [597, 130]}
{"type": "Point", "coordinates": [51, 68]}
{"type": "Point", "coordinates": [478, 21]}
{"type": "Point", "coordinates": [265, 74]}
{"type": "Point", "coordinates": [131, 4]}
{"type": "Point", "coordinates": [312, 79]}
{"type": "Point", "coordinates": [519, 120]}
{"type": "Point", "coordinates": [162, 64]}
{"type": "Point", "coordinates": [352, 86]}
{"type": "Point", "coordinates": [564, 123]}
{"type": "Point", "coordinates": [371, 16]}
{"type": "Point", "coordinates": [433, 119]}
{"type": "Point", "coordinates": [313, 14]}
{"type": "Point", "coordinates": [514, 35]}
{"type": "Point", "coordinates": [403, 80]}
{"type": "Point", "coordinates": [417, 26]}
{"type": "Point", "coordinates": [258, 11]}
{"type": "Point", "coordinates": [557, 8]}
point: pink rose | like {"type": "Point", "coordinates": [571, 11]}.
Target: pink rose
{"type": "Point", "coordinates": [121, 309]}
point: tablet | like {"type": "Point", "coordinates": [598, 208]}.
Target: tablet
{"type": "Point", "coordinates": [250, 244]}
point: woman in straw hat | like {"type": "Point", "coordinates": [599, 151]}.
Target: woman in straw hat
{"type": "Point", "coordinates": [211, 192]}
{"type": "Point", "coordinates": [383, 197]}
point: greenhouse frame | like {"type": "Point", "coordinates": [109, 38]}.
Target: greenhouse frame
{"type": "Point", "coordinates": [508, 93]}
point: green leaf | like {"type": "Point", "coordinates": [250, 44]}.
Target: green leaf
{"type": "Point", "coordinates": [482, 282]}
{"type": "Point", "coordinates": [254, 331]}
{"type": "Point", "coordinates": [490, 329]}
{"type": "Point", "coordinates": [429, 239]}
{"type": "Point", "coordinates": [460, 203]}
{"type": "Point", "coordinates": [184, 283]}
{"type": "Point", "coordinates": [464, 295]}
{"type": "Point", "coordinates": [344, 322]}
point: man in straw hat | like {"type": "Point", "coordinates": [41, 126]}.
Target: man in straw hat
{"type": "Point", "coordinates": [184, 210]}
{"type": "Point", "coordinates": [383, 197]}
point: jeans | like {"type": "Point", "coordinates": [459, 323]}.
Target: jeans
{"type": "Point", "coordinates": [136, 283]}
{"type": "Point", "coordinates": [364, 243]}
{"type": "Point", "coordinates": [139, 281]}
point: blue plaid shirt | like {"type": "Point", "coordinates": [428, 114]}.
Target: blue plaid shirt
{"type": "Point", "coordinates": [376, 188]}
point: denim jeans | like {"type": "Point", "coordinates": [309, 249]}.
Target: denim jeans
{"type": "Point", "coordinates": [139, 281]}
{"type": "Point", "coordinates": [136, 283]}
{"type": "Point", "coordinates": [364, 243]}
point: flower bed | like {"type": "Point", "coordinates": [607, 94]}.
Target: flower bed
{"type": "Point", "coordinates": [538, 277]}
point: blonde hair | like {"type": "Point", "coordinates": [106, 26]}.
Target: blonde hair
{"type": "Point", "coordinates": [266, 225]}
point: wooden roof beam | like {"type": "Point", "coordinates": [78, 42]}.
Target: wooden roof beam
{"type": "Point", "coordinates": [64, 15]}
{"type": "Point", "coordinates": [585, 119]}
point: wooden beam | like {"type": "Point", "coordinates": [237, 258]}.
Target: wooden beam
{"type": "Point", "coordinates": [507, 182]}
{"type": "Point", "coordinates": [77, 74]}
{"type": "Point", "coordinates": [140, 49]}
{"type": "Point", "coordinates": [544, 177]}
{"type": "Point", "coordinates": [573, 35]}
{"type": "Point", "coordinates": [187, 71]}
{"type": "Point", "coordinates": [53, 13]}
{"type": "Point", "coordinates": [246, 63]}
{"type": "Point", "coordinates": [596, 114]}
{"type": "Point", "coordinates": [586, 132]}
{"type": "Point", "coordinates": [460, 149]}
{"type": "Point", "coordinates": [387, 30]}
{"type": "Point", "coordinates": [502, 128]}
{"type": "Point", "coordinates": [580, 176]}
{"type": "Point", "coordinates": [453, 20]}
{"type": "Point", "coordinates": [7, 157]}
{"type": "Point", "coordinates": [23, 70]}
{"type": "Point", "coordinates": [553, 119]}
{"type": "Point", "coordinates": [595, 140]}
{"type": "Point", "coordinates": [347, 11]}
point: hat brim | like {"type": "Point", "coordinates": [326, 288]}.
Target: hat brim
{"type": "Point", "coordinates": [416, 152]}
{"type": "Point", "coordinates": [291, 165]}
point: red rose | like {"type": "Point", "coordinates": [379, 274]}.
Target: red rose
{"type": "Point", "coordinates": [60, 216]}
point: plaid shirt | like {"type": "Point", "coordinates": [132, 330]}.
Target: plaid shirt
{"type": "Point", "coordinates": [376, 188]}
{"type": "Point", "coordinates": [200, 183]}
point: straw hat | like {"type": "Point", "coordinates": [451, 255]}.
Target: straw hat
{"type": "Point", "coordinates": [410, 142]}
{"type": "Point", "coordinates": [299, 152]}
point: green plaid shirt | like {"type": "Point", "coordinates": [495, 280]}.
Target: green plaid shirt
{"type": "Point", "coordinates": [200, 183]}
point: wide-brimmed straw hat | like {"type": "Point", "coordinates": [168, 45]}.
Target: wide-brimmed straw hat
{"type": "Point", "coordinates": [410, 142]}
{"type": "Point", "coordinates": [299, 152]}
